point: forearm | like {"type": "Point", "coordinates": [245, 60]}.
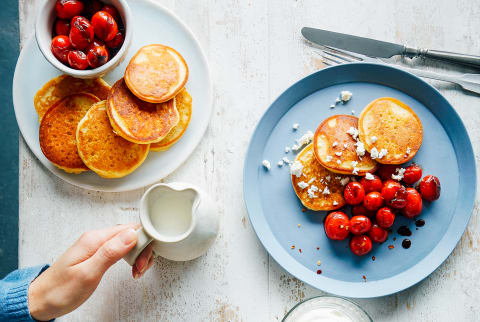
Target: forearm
{"type": "Point", "coordinates": [14, 293]}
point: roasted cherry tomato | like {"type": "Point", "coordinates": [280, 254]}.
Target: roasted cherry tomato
{"type": "Point", "coordinates": [81, 33]}
{"type": "Point", "coordinates": [395, 194]}
{"type": "Point", "coordinates": [372, 185]}
{"type": "Point", "coordinates": [385, 171]}
{"type": "Point", "coordinates": [360, 225]}
{"type": "Point", "coordinates": [354, 193]}
{"type": "Point", "coordinates": [60, 48]}
{"type": "Point", "coordinates": [337, 225]}
{"type": "Point", "coordinates": [412, 174]}
{"type": "Point", "coordinates": [112, 11]}
{"type": "Point", "coordinates": [414, 204]}
{"type": "Point", "coordinates": [373, 201]}
{"type": "Point", "coordinates": [117, 41]}
{"type": "Point", "coordinates": [360, 245]}
{"type": "Point", "coordinates": [430, 188]}
{"type": "Point", "coordinates": [104, 25]}
{"type": "Point", "coordinates": [97, 56]}
{"type": "Point", "coordinates": [62, 27]}
{"type": "Point", "coordinates": [385, 217]}
{"type": "Point", "coordinates": [378, 234]}
{"type": "Point", "coordinates": [67, 9]}
{"type": "Point", "coordinates": [77, 59]}
{"type": "Point", "coordinates": [92, 6]}
{"type": "Point", "coordinates": [360, 210]}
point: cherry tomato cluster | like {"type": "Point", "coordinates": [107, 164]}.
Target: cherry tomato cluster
{"type": "Point", "coordinates": [376, 202]}
{"type": "Point", "coordinates": [87, 33]}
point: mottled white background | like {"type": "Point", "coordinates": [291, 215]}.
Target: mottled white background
{"type": "Point", "coordinates": [255, 51]}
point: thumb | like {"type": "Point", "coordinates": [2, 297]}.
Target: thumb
{"type": "Point", "coordinates": [113, 250]}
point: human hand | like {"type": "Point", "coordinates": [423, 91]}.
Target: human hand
{"type": "Point", "coordinates": [74, 276]}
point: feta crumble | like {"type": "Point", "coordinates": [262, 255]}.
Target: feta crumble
{"type": "Point", "coordinates": [338, 177]}
{"type": "Point", "coordinates": [353, 112]}
{"type": "Point", "coordinates": [355, 171]}
{"type": "Point", "coordinates": [266, 164]}
{"type": "Point", "coordinates": [338, 153]}
{"type": "Point", "coordinates": [373, 139]}
{"type": "Point", "coordinates": [409, 150]}
{"type": "Point", "coordinates": [295, 126]}
{"type": "Point", "coordinates": [337, 100]}
{"type": "Point", "coordinates": [344, 181]}
{"type": "Point", "coordinates": [339, 162]}
{"type": "Point", "coordinates": [285, 160]}
{"type": "Point", "coordinates": [280, 163]}
{"type": "Point", "coordinates": [345, 145]}
{"type": "Point", "coordinates": [305, 139]}
{"type": "Point", "coordinates": [328, 178]}
{"type": "Point", "coordinates": [353, 132]}
{"type": "Point", "coordinates": [374, 153]}
{"type": "Point", "coordinates": [334, 144]}
{"type": "Point", "coordinates": [302, 184]}
{"type": "Point", "coordinates": [360, 149]}
{"type": "Point", "coordinates": [369, 176]}
{"type": "Point", "coordinates": [354, 163]}
{"type": "Point", "coordinates": [332, 106]}
{"type": "Point", "coordinates": [328, 158]}
{"type": "Point", "coordinates": [335, 203]}
{"type": "Point", "coordinates": [382, 153]}
{"type": "Point", "coordinates": [311, 180]}
{"type": "Point", "coordinates": [295, 147]}
{"type": "Point", "coordinates": [311, 191]}
{"type": "Point", "coordinates": [399, 174]}
{"type": "Point", "coordinates": [287, 149]}
{"type": "Point", "coordinates": [296, 169]}
{"type": "Point", "coordinates": [346, 95]}
{"type": "Point", "coordinates": [326, 191]}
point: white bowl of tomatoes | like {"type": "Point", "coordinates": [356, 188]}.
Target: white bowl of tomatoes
{"type": "Point", "coordinates": [84, 38]}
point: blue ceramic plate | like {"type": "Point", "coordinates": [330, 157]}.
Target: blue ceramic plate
{"type": "Point", "coordinates": [275, 211]}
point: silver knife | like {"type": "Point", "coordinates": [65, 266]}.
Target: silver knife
{"type": "Point", "coordinates": [378, 48]}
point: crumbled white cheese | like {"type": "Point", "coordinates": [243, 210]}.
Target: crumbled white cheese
{"type": "Point", "coordinates": [345, 145]}
{"type": "Point", "coordinates": [399, 174]}
{"type": "Point", "coordinates": [296, 168]}
{"type": "Point", "coordinates": [326, 191]}
{"type": "Point", "coordinates": [373, 139]}
{"type": "Point", "coordinates": [369, 176]}
{"type": "Point", "coordinates": [374, 153]}
{"type": "Point", "coordinates": [328, 158]}
{"type": "Point", "coordinates": [311, 180]}
{"type": "Point", "coordinates": [353, 132]}
{"type": "Point", "coordinates": [338, 153]}
{"type": "Point", "coordinates": [285, 159]}
{"type": "Point", "coordinates": [337, 100]}
{"type": "Point", "coordinates": [353, 112]}
{"type": "Point", "coordinates": [339, 162]}
{"type": "Point", "coordinates": [302, 184]}
{"type": "Point", "coordinates": [328, 178]}
{"type": "Point", "coordinates": [344, 181]}
{"type": "Point", "coordinates": [334, 144]}
{"type": "Point", "coordinates": [354, 163]}
{"type": "Point", "coordinates": [332, 106]}
{"type": "Point", "coordinates": [287, 149]}
{"type": "Point", "coordinates": [305, 139]}
{"type": "Point", "coordinates": [322, 180]}
{"type": "Point", "coordinates": [338, 177]}
{"type": "Point", "coordinates": [295, 147]}
{"type": "Point", "coordinates": [360, 149]}
{"type": "Point", "coordinates": [346, 95]}
{"type": "Point", "coordinates": [355, 171]}
{"type": "Point", "coordinates": [335, 203]}
{"type": "Point", "coordinates": [280, 163]}
{"type": "Point", "coordinates": [382, 153]}
{"type": "Point", "coordinates": [409, 150]}
{"type": "Point", "coordinates": [311, 191]}
{"type": "Point", "coordinates": [295, 126]}
{"type": "Point", "coordinates": [266, 164]}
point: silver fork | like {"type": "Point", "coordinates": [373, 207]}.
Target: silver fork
{"type": "Point", "coordinates": [334, 56]}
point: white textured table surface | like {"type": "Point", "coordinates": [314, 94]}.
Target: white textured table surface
{"type": "Point", "coordinates": [256, 51]}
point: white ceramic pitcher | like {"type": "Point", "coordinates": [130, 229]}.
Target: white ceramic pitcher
{"type": "Point", "coordinates": [187, 245]}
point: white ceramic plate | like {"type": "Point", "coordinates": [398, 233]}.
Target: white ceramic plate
{"type": "Point", "coordinates": [152, 23]}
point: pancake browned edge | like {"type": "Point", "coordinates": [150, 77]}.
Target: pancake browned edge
{"type": "Point", "coordinates": [138, 121]}
{"type": "Point", "coordinates": [104, 152]}
{"type": "Point", "coordinates": [183, 102]}
{"type": "Point", "coordinates": [64, 85]}
{"type": "Point", "coordinates": [337, 147]}
{"type": "Point", "coordinates": [156, 73]}
{"type": "Point", "coordinates": [394, 127]}
{"type": "Point", "coordinates": [57, 131]}
{"type": "Point", "coordinates": [318, 188]}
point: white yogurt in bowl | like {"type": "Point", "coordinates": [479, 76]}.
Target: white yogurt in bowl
{"type": "Point", "coordinates": [326, 309]}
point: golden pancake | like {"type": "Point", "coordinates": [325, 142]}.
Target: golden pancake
{"type": "Point", "coordinates": [337, 147]}
{"type": "Point", "coordinates": [104, 152]}
{"type": "Point", "coordinates": [156, 73]}
{"type": "Point", "coordinates": [318, 188]}
{"type": "Point", "coordinates": [57, 131]}
{"type": "Point", "coordinates": [64, 85]}
{"type": "Point", "coordinates": [138, 121]}
{"type": "Point", "coordinates": [183, 103]}
{"type": "Point", "coordinates": [390, 125]}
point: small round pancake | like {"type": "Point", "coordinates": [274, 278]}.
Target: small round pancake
{"type": "Point", "coordinates": [315, 175]}
{"type": "Point", "coordinates": [139, 121]}
{"type": "Point", "coordinates": [396, 127]}
{"type": "Point", "coordinates": [57, 131]}
{"type": "Point", "coordinates": [104, 152]}
{"type": "Point", "coordinates": [183, 102]}
{"type": "Point", "coordinates": [64, 85]}
{"type": "Point", "coordinates": [332, 142]}
{"type": "Point", "coordinates": [156, 73]}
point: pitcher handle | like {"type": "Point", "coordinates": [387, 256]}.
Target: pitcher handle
{"type": "Point", "coordinates": [142, 241]}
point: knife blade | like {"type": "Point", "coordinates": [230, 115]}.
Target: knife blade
{"type": "Point", "coordinates": [360, 45]}
{"type": "Point", "coordinates": [377, 48]}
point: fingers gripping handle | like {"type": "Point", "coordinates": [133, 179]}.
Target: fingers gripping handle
{"type": "Point", "coordinates": [142, 242]}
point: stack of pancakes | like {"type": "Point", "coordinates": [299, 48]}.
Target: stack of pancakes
{"type": "Point", "coordinates": [344, 146]}
{"type": "Point", "coordinates": [88, 125]}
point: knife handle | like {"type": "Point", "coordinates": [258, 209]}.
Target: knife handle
{"type": "Point", "coordinates": [470, 60]}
